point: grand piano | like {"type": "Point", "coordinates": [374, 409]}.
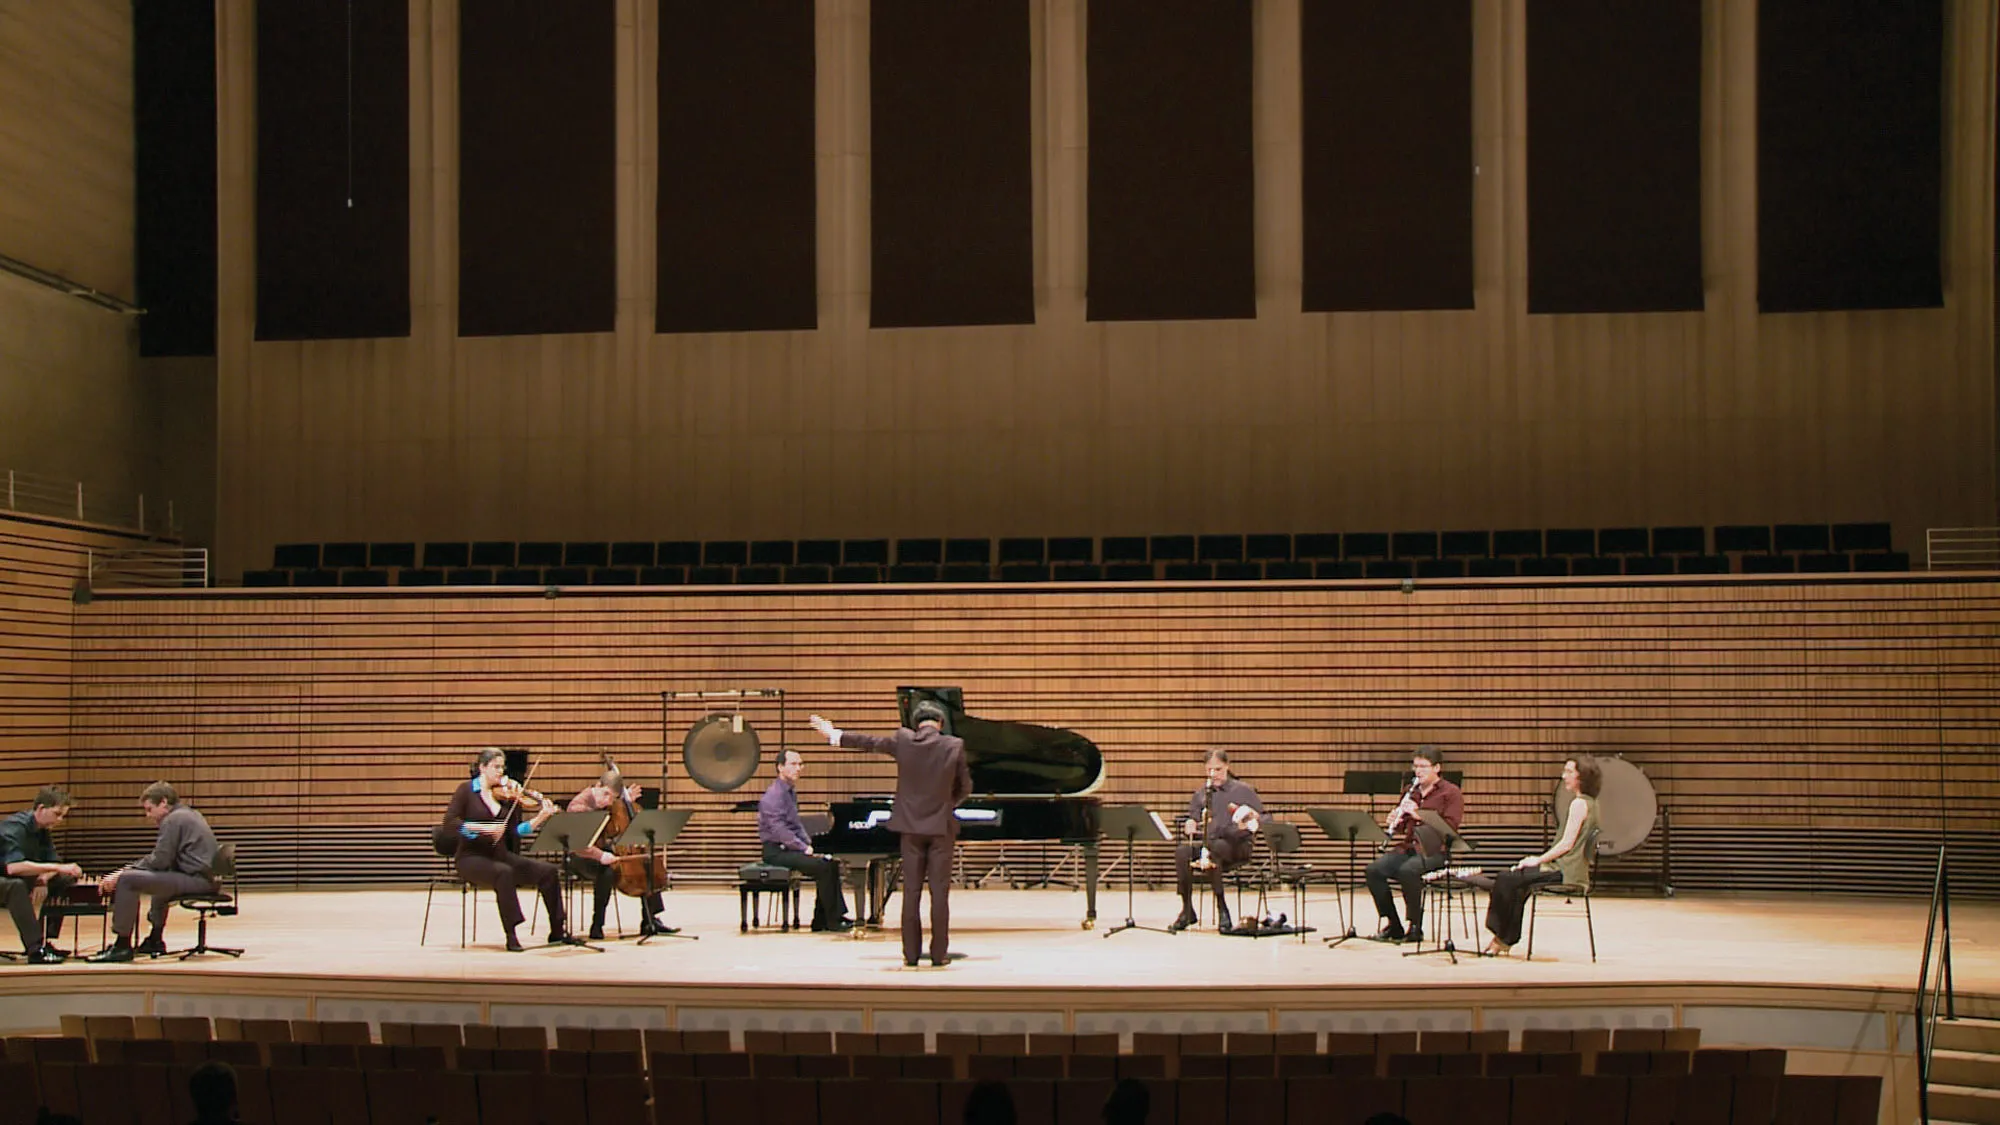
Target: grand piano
{"type": "Point", "coordinates": [1028, 783]}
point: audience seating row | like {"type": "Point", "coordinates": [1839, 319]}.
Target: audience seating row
{"type": "Point", "coordinates": [1529, 552]}
{"type": "Point", "coordinates": [123, 1094]}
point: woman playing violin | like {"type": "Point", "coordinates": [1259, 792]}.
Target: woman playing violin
{"type": "Point", "coordinates": [487, 813]}
{"type": "Point", "coordinates": [599, 864]}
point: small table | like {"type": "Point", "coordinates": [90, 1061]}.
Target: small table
{"type": "Point", "coordinates": [82, 900]}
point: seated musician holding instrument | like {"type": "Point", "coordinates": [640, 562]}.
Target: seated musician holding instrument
{"type": "Point", "coordinates": [29, 858]}
{"type": "Point", "coordinates": [600, 864]}
{"type": "Point", "coordinates": [786, 844]}
{"type": "Point", "coordinates": [1221, 829]}
{"type": "Point", "coordinates": [1563, 862]}
{"type": "Point", "coordinates": [179, 864]}
{"type": "Point", "coordinates": [1412, 849]}
{"type": "Point", "coordinates": [485, 813]}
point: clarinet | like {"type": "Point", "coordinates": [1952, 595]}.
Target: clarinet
{"type": "Point", "coordinates": [1203, 862]}
{"type": "Point", "coordinates": [1395, 821]}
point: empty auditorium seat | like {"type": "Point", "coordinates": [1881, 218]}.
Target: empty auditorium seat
{"type": "Point", "coordinates": [920, 552]}
{"type": "Point", "coordinates": [1014, 551]}
{"type": "Point", "coordinates": [1219, 548]}
{"type": "Point", "coordinates": [1595, 565]}
{"type": "Point", "coordinates": [773, 552]}
{"type": "Point", "coordinates": [913, 572]}
{"type": "Point", "coordinates": [1544, 567]}
{"type": "Point", "coordinates": [1769, 564]}
{"type": "Point", "coordinates": [295, 556]}
{"type": "Point", "coordinates": [1882, 561]}
{"type": "Point", "coordinates": [1825, 564]}
{"type": "Point", "coordinates": [857, 573]}
{"type": "Point", "coordinates": [1072, 549]}
{"type": "Point", "coordinates": [469, 576]}
{"type": "Point", "coordinates": [1128, 572]}
{"type": "Point", "coordinates": [1365, 545]}
{"type": "Point", "coordinates": [317, 577]}
{"type": "Point", "coordinates": [759, 575]}
{"type": "Point", "coordinates": [1465, 544]}
{"type": "Point", "coordinates": [1315, 546]}
{"type": "Point", "coordinates": [662, 575]}
{"type": "Point", "coordinates": [492, 553]}
{"type": "Point", "coordinates": [614, 576]}
{"type": "Point", "coordinates": [965, 572]}
{"type": "Point", "coordinates": [1187, 571]}
{"type": "Point", "coordinates": [339, 556]}
{"type": "Point", "coordinates": [1797, 538]}
{"type": "Point", "coordinates": [1649, 564]}
{"type": "Point", "coordinates": [1024, 572]}
{"type": "Point", "coordinates": [586, 554]}
{"type": "Point", "coordinates": [1518, 543]}
{"type": "Point", "coordinates": [1742, 538]}
{"type": "Point", "coordinates": [1701, 564]}
{"type": "Point", "coordinates": [1492, 568]}
{"type": "Point", "coordinates": [364, 576]}
{"type": "Point", "coordinates": [1414, 544]}
{"type": "Point", "coordinates": [1441, 568]}
{"type": "Point", "coordinates": [1077, 572]}
{"type": "Point", "coordinates": [1339, 568]}
{"type": "Point", "coordinates": [1570, 541]}
{"type": "Point", "coordinates": [725, 552]}
{"type": "Point", "coordinates": [1287, 570]}
{"type": "Point", "coordinates": [1239, 571]}
{"type": "Point", "coordinates": [1679, 541]}
{"type": "Point", "coordinates": [1622, 541]}
{"type": "Point", "coordinates": [1390, 568]}
{"type": "Point", "coordinates": [1125, 549]}
{"type": "Point", "coordinates": [381, 555]}
{"type": "Point", "coordinates": [419, 576]}
{"type": "Point", "coordinates": [711, 575]}
{"type": "Point", "coordinates": [808, 573]}
{"type": "Point", "coordinates": [566, 576]}
{"type": "Point", "coordinates": [1172, 548]}
{"type": "Point", "coordinates": [518, 576]}
{"type": "Point", "coordinates": [678, 552]}
{"type": "Point", "coordinates": [267, 578]}
{"type": "Point", "coordinates": [969, 551]}
{"type": "Point", "coordinates": [538, 554]}
{"type": "Point", "coordinates": [443, 556]}
{"type": "Point", "coordinates": [633, 554]}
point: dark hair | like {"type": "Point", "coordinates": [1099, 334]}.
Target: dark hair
{"type": "Point", "coordinates": [52, 797]}
{"type": "Point", "coordinates": [212, 1088]}
{"type": "Point", "coordinates": [989, 1103]}
{"type": "Point", "coordinates": [160, 793]}
{"type": "Point", "coordinates": [1589, 775]}
{"type": "Point", "coordinates": [487, 755]}
{"type": "Point", "coordinates": [1129, 1103]}
{"type": "Point", "coordinates": [1429, 754]}
{"type": "Point", "coordinates": [1217, 755]}
{"type": "Point", "coordinates": [926, 711]}
{"type": "Point", "coordinates": [790, 752]}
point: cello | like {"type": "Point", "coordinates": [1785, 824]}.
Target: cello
{"type": "Point", "coordinates": [636, 877]}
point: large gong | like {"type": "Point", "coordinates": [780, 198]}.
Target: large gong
{"type": "Point", "coordinates": [1627, 807]}
{"type": "Point", "coordinates": [721, 751]}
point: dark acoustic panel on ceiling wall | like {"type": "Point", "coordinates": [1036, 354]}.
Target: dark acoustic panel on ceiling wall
{"type": "Point", "coordinates": [537, 144]}
{"type": "Point", "coordinates": [951, 199]}
{"type": "Point", "coordinates": [1171, 179]}
{"type": "Point", "coordinates": [737, 240]}
{"type": "Point", "coordinates": [1614, 156]}
{"type": "Point", "coordinates": [1386, 160]}
{"type": "Point", "coordinates": [1850, 159]}
{"type": "Point", "coordinates": [173, 101]}
{"type": "Point", "coordinates": [333, 170]}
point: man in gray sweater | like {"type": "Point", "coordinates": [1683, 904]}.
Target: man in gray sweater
{"type": "Point", "coordinates": [180, 862]}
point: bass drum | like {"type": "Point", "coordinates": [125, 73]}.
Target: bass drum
{"type": "Point", "coordinates": [1627, 807]}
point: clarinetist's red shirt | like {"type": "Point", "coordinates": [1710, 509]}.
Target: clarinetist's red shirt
{"type": "Point", "coordinates": [1445, 799]}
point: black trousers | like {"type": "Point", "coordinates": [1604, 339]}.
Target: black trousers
{"type": "Point", "coordinates": [1406, 868]}
{"type": "Point", "coordinates": [829, 901]}
{"type": "Point", "coordinates": [603, 880]}
{"type": "Point", "coordinates": [504, 871]}
{"type": "Point", "coordinates": [19, 895]}
{"type": "Point", "coordinates": [1225, 853]}
{"type": "Point", "coordinates": [926, 859]}
{"type": "Point", "coordinates": [1505, 901]}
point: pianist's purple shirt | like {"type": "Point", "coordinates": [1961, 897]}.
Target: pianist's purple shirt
{"type": "Point", "coordinates": [778, 817]}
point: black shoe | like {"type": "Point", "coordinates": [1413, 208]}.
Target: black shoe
{"type": "Point", "coordinates": [597, 933]}
{"type": "Point", "coordinates": [120, 951]}
{"type": "Point", "coordinates": [1391, 932]}
{"type": "Point", "coordinates": [153, 946]}
{"type": "Point", "coordinates": [47, 955]}
{"type": "Point", "coordinates": [837, 926]}
{"type": "Point", "coordinates": [1222, 919]}
{"type": "Point", "coordinates": [1414, 937]}
{"type": "Point", "coordinates": [1186, 919]}
{"type": "Point", "coordinates": [513, 943]}
{"type": "Point", "coordinates": [909, 962]}
{"type": "Point", "coordinates": [58, 951]}
{"type": "Point", "coordinates": [559, 936]}
{"type": "Point", "coordinates": [940, 962]}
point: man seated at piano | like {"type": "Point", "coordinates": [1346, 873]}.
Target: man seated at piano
{"type": "Point", "coordinates": [787, 845]}
{"type": "Point", "coordinates": [1221, 829]}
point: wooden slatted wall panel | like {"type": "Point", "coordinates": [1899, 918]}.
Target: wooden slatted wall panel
{"type": "Point", "coordinates": [39, 567]}
{"type": "Point", "coordinates": [1787, 708]}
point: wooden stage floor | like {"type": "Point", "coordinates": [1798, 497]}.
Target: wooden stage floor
{"type": "Point", "coordinates": [1032, 940]}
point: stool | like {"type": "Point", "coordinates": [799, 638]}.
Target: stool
{"type": "Point", "coordinates": [757, 879]}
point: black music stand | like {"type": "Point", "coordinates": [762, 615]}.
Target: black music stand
{"type": "Point", "coordinates": [1353, 826]}
{"type": "Point", "coordinates": [1134, 823]}
{"type": "Point", "coordinates": [559, 837]}
{"type": "Point", "coordinates": [649, 829]}
{"type": "Point", "coordinates": [1453, 842]}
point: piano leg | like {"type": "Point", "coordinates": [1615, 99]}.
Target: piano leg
{"type": "Point", "coordinates": [1090, 884]}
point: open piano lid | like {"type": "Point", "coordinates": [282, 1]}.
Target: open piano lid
{"type": "Point", "coordinates": [1009, 758]}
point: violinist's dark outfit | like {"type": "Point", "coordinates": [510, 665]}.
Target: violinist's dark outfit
{"type": "Point", "coordinates": [1229, 843]}
{"type": "Point", "coordinates": [588, 863]}
{"type": "Point", "coordinates": [1406, 860]}
{"type": "Point", "coordinates": [486, 862]}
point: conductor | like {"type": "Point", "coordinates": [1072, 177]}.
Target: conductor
{"type": "Point", "coordinates": [932, 778]}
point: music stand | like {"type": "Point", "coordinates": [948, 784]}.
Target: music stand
{"type": "Point", "coordinates": [649, 829]}
{"type": "Point", "coordinates": [1354, 826]}
{"type": "Point", "coordinates": [560, 836]}
{"type": "Point", "coordinates": [1134, 823]}
{"type": "Point", "coordinates": [1453, 842]}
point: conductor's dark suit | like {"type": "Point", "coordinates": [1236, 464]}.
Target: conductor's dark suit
{"type": "Point", "coordinates": [931, 780]}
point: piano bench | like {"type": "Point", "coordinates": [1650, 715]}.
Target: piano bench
{"type": "Point", "coordinates": [759, 879]}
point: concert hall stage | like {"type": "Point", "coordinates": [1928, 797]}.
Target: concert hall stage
{"type": "Point", "coordinates": [1829, 978]}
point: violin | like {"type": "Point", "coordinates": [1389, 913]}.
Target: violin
{"type": "Point", "coordinates": [525, 798]}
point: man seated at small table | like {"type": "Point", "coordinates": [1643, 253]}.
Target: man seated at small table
{"type": "Point", "coordinates": [180, 863]}
{"type": "Point", "coordinates": [29, 858]}
{"type": "Point", "coordinates": [787, 845]}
